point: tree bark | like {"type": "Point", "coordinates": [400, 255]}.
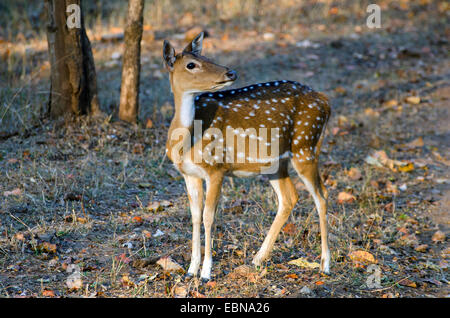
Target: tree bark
{"type": "Point", "coordinates": [73, 77]}
{"type": "Point", "coordinates": [129, 92]}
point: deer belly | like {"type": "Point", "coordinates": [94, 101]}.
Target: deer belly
{"type": "Point", "coordinates": [244, 174]}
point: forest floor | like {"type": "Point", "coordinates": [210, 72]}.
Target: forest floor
{"type": "Point", "coordinates": [91, 207]}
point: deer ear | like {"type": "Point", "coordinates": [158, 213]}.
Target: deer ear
{"type": "Point", "coordinates": [195, 46]}
{"type": "Point", "coordinates": [169, 55]}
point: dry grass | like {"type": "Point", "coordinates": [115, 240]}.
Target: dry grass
{"type": "Point", "coordinates": [85, 186]}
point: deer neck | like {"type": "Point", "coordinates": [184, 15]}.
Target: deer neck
{"type": "Point", "coordinates": [184, 110]}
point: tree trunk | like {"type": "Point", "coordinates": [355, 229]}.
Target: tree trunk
{"type": "Point", "coordinates": [129, 92]}
{"type": "Point", "coordinates": [73, 78]}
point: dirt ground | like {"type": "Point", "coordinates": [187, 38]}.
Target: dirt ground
{"type": "Point", "coordinates": [90, 207]}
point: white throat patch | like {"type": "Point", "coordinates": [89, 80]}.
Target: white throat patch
{"type": "Point", "coordinates": [187, 109]}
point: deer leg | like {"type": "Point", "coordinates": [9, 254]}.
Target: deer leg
{"type": "Point", "coordinates": [310, 176]}
{"type": "Point", "coordinates": [194, 188]}
{"type": "Point", "coordinates": [213, 187]}
{"type": "Point", "coordinates": [287, 198]}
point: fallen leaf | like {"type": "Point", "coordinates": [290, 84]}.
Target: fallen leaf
{"type": "Point", "coordinates": [149, 124]}
{"type": "Point", "coordinates": [268, 36]}
{"type": "Point", "coordinates": [137, 219]}
{"type": "Point", "coordinates": [155, 207]}
{"type": "Point", "coordinates": [408, 283]}
{"type": "Point", "coordinates": [370, 112]}
{"type": "Point", "coordinates": [74, 283]}
{"type": "Point", "coordinates": [19, 236]}
{"type": "Point", "coordinates": [318, 283]}
{"type": "Point", "coordinates": [126, 281]}
{"type": "Point", "coordinates": [290, 229]}
{"type": "Point", "coordinates": [47, 247]}
{"type": "Point", "coordinates": [169, 265]}
{"type": "Point", "coordinates": [422, 248]}
{"type": "Point", "coordinates": [245, 272]}
{"type": "Point", "coordinates": [302, 262]}
{"type": "Point", "coordinates": [392, 188]}
{"type": "Point", "coordinates": [48, 293]}
{"type": "Point", "coordinates": [211, 284]}
{"type": "Point", "coordinates": [292, 276]}
{"type": "Point", "coordinates": [345, 197]}
{"type": "Point", "coordinates": [82, 220]}
{"type": "Point", "coordinates": [196, 294]}
{"type": "Point", "coordinates": [406, 168]}
{"type": "Point", "coordinates": [235, 208]}
{"type": "Point", "coordinates": [138, 148]}
{"type": "Point", "coordinates": [180, 291]}
{"type": "Point", "coordinates": [416, 143]}
{"type": "Point", "coordinates": [361, 257]}
{"type": "Point", "coordinates": [340, 90]}
{"type": "Point", "coordinates": [16, 191]}
{"type": "Point", "coordinates": [354, 174]}
{"type": "Point", "coordinates": [390, 103]}
{"type": "Point", "coordinates": [413, 100]}
{"type": "Point", "coordinates": [438, 237]}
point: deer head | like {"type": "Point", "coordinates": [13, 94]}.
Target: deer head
{"type": "Point", "coordinates": [190, 72]}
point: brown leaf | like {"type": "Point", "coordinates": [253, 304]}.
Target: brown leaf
{"type": "Point", "coordinates": [413, 100]}
{"type": "Point", "coordinates": [149, 124]}
{"type": "Point", "coordinates": [380, 158]}
{"type": "Point", "coordinates": [168, 264]}
{"type": "Point", "coordinates": [303, 262]}
{"type": "Point", "coordinates": [155, 207]}
{"type": "Point", "coordinates": [16, 191]}
{"type": "Point", "coordinates": [361, 257]}
{"type": "Point", "coordinates": [290, 229]}
{"type": "Point", "coordinates": [345, 197]}
{"type": "Point", "coordinates": [74, 283]}
{"type": "Point", "coordinates": [354, 174]}
{"type": "Point", "coordinates": [392, 188]}
{"type": "Point", "coordinates": [244, 272]}
{"type": "Point", "coordinates": [47, 247]}
{"type": "Point", "coordinates": [48, 293]}
{"type": "Point", "coordinates": [438, 236]}
{"type": "Point", "coordinates": [180, 291]}
{"type": "Point", "coordinates": [196, 294]}
{"type": "Point", "coordinates": [390, 103]}
{"type": "Point", "coordinates": [416, 143]}
{"type": "Point", "coordinates": [137, 219]}
{"type": "Point", "coordinates": [406, 168]}
{"type": "Point", "coordinates": [408, 283]}
{"type": "Point", "coordinates": [211, 284]}
{"type": "Point", "coordinates": [126, 281]}
{"type": "Point", "coordinates": [235, 208]}
{"type": "Point", "coordinates": [138, 148]}
{"type": "Point", "coordinates": [422, 248]}
{"type": "Point", "coordinates": [318, 283]}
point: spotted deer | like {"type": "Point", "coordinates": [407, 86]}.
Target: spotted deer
{"type": "Point", "coordinates": [295, 115]}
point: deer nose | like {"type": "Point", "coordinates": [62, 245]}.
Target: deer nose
{"type": "Point", "coordinates": [231, 75]}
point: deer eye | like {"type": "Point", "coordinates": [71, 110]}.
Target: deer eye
{"type": "Point", "coordinates": [191, 66]}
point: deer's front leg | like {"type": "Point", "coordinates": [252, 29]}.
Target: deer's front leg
{"type": "Point", "coordinates": [194, 188]}
{"type": "Point", "coordinates": [213, 187]}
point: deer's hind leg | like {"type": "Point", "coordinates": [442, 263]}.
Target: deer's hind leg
{"type": "Point", "coordinates": [309, 173]}
{"type": "Point", "coordinates": [287, 198]}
